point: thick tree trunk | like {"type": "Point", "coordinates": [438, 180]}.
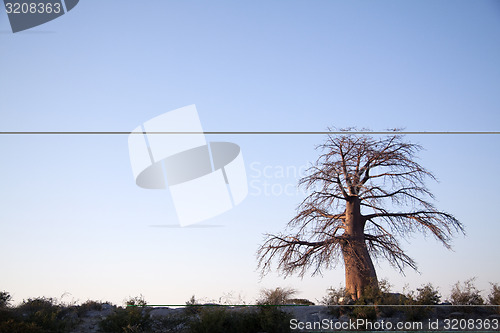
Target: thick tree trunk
{"type": "Point", "coordinates": [359, 270]}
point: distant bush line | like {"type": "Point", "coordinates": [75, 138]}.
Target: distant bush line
{"type": "Point", "coordinates": [47, 315]}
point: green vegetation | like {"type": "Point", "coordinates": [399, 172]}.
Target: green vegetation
{"type": "Point", "coordinates": [88, 306]}
{"type": "Point", "coordinates": [270, 314]}
{"type": "Point", "coordinates": [379, 295]}
{"type": "Point", "coordinates": [223, 319]}
{"type": "Point", "coordinates": [426, 295]}
{"type": "Point", "coordinates": [133, 318]}
{"type": "Point", "coordinates": [38, 315]}
{"type": "Point", "coordinates": [335, 299]}
{"type": "Point", "coordinates": [336, 296]}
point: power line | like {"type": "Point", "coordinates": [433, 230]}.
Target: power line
{"type": "Point", "coordinates": [254, 133]}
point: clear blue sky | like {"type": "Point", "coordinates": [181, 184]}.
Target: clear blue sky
{"type": "Point", "coordinates": [72, 219]}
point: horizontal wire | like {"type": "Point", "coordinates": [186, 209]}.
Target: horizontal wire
{"type": "Point", "coordinates": [254, 133]}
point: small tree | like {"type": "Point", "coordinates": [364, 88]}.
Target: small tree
{"type": "Point", "coordinates": [354, 186]}
{"type": "Point", "coordinates": [466, 294]}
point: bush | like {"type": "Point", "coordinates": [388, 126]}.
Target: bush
{"type": "Point", "coordinates": [364, 308]}
{"type": "Point", "coordinates": [278, 296]}
{"type": "Point", "coordinates": [336, 296]}
{"type": "Point", "coordinates": [130, 319]}
{"type": "Point", "coordinates": [364, 311]}
{"type": "Point", "coordinates": [494, 297]}
{"type": "Point", "coordinates": [467, 294]}
{"type": "Point", "coordinates": [87, 306]}
{"type": "Point", "coordinates": [13, 326]}
{"type": "Point", "coordinates": [5, 299]}
{"type": "Point", "coordinates": [192, 306]}
{"type": "Point", "coordinates": [273, 320]}
{"type": "Point", "coordinates": [218, 319]}
{"type": "Point", "coordinates": [136, 301]}
{"type": "Point", "coordinates": [44, 313]}
{"type": "Point", "coordinates": [379, 295]}
{"type": "Point", "coordinates": [133, 318]}
{"type": "Point", "coordinates": [174, 323]}
{"type": "Point", "coordinates": [426, 295]}
{"type": "Point", "coordinates": [6, 315]}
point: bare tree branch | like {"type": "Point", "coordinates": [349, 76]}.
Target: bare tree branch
{"type": "Point", "coordinates": [357, 189]}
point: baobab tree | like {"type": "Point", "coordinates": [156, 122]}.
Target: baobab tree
{"type": "Point", "coordinates": [364, 193]}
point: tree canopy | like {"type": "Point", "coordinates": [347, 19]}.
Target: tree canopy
{"type": "Point", "coordinates": [364, 193]}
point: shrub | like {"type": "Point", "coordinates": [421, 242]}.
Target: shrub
{"type": "Point", "coordinates": [278, 296]}
{"type": "Point", "coordinates": [130, 319]}
{"type": "Point", "coordinates": [6, 314]}
{"type": "Point", "coordinates": [379, 295]}
{"type": "Point", "coordinates": [89, 305]}
{"type": "Point", "coordinates": [192, 306]}
{"type": "Point", "coordinates": [428, 295]}
{"type": "Point", "coordinates": [218, 319]}
{"type": "Point", "coordinates": [133, 318]}
{"type": "Point", "coordinates": [13, 326]}
{"type": "Point", "coordinates": [364, 311]}
{"type": "Point", "coordinates": [336, 296]}
{"type": "Point", "coordinates": [136, 301]}
{"type": "Point", "coordinates": [494, 297]}
{"type": "Point", "coordinates": [273, 320]}
{"type": "Point", "coordinates": [467, 294]}
{"type": "Point", "coordinates": [5, 299]}
{"type": "Point", "coordinates": [174, 323]}
{"type": "Point", "coordinates": [45, 313]}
